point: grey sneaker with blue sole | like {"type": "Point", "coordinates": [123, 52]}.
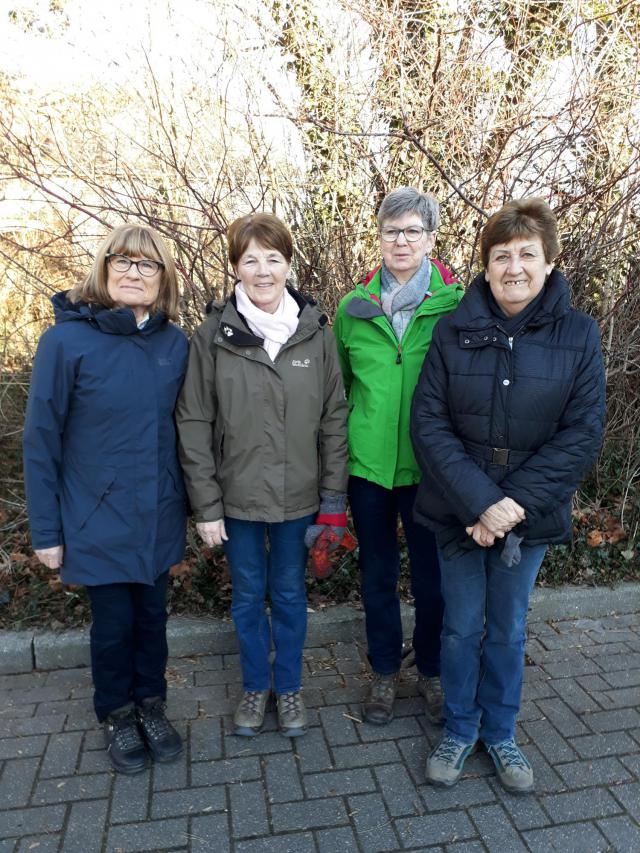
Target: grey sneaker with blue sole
{"type": "Point", "coordinates": [514, 772]}
{"type": "Point", "coordinates": [446, 762]}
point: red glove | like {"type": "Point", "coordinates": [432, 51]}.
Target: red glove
{"type": "Point", "coordinates": [326, 544]}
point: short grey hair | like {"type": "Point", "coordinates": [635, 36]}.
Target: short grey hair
{"type": "Point", "coordinates": [408, 200]}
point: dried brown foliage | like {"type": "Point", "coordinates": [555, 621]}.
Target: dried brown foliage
{"type": "Point", "coordinates": [476, 102]}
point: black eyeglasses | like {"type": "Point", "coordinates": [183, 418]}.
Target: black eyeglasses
{"type": "Point", "coordinates": [411, 234]}
{"type": "Point", "coordinates": [121, 263]}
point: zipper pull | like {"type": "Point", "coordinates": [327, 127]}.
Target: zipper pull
{"type": "Point", "coordinates": [399, 356]}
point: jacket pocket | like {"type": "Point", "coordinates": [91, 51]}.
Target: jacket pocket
{"type": "Point", "coordinates": [176, 482]}
{"type": "Point", "coordinates": [84, 488]}
{"type": "Point", "coordinates": [218, 454]}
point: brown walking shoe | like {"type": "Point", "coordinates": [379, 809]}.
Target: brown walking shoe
{"type": "Point", "coordinates": [378, 705]}
{"type": "Point", "coordinates": [431, 689]}
{"type": "Point", "coordinates": [292, 715]}
{"type": "Point", "coordinates": [249, 715]}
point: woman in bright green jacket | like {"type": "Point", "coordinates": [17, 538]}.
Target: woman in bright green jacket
{"type": "Point", "coordinates": [383, 329]}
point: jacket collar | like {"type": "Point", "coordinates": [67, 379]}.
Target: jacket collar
{"type": "Point", "coordinates": [366, 305]}
{"type": "Point", "coordinates": [234, 328]}
{"type": "Point", "coordinates": [111, 321]}
{"type": "Point", "coordinates": [474, 311]}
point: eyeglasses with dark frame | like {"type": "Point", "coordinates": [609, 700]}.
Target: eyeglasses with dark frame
{"type": "Point", "coordinates": [411, 234]}
{"type": "Point", "coordinates": [121, 263]}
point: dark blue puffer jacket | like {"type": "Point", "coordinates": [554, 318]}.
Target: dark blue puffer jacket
{"type": "Point", "coordinates": [100, 459]}
{"type": "Point", "coordinates": [542, 398]}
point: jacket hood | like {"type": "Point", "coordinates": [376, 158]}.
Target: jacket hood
{"type": "Point", "coordinates": [475, 312]}
{"type": "Point", "coordinates": [111, 321]}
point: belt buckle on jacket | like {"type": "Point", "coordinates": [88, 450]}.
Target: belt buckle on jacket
{"type": "Point", "coordinates": [500, 456]}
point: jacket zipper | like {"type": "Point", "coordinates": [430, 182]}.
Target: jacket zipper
{"type": "Point", "coordinates": [510, 340]}
{"type": "Point", "coordinates": [411, 322]}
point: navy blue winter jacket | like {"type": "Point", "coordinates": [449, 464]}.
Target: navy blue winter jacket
{"type": "Point", "coordinates": [100, 459]}
{"type": "Point", "coordinates": [542, 398]}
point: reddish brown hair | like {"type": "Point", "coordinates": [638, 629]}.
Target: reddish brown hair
{"type": "Point", "coordinates": [266, 229]}
{"type": "Point", "coordinates": [526, 217]}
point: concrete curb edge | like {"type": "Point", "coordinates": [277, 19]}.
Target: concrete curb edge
{"type": "Point", "coordinates": [24, 651]}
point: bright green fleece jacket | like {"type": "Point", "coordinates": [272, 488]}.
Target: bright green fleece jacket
{"type": "Point", "coordinates": [380, 375]}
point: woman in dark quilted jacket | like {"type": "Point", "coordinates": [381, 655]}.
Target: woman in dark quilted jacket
{"type": "Point", "coordinates": [507, 418]}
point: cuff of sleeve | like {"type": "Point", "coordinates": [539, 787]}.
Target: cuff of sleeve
{"type": "Point", "coordinates": [40, 543]}
{"type": "Point", "coordinates": [332, 504]}
{"type": "Point", "coordinates": [212, 513]}
{"type": "Point", "coordinates": [338, 519]}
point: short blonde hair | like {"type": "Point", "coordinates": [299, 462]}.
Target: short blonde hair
{"type": "Point", "coordinates": [131, 240]}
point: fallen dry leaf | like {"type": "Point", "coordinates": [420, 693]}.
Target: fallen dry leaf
{"type": "Point", "coordinates": [595, 538]}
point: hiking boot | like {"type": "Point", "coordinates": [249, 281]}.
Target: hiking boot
{"type": "Point", "coordinates": [249, 715]}
{"type": "Point", "coordinates": [444, 765]}
{"type": "Point", "coordinates": [512, 768]}
{"type": "Point", "coordinates": [431, 689]}
{"type": "Point", "coordinates": [125, 747]}
{"type": "Point", "coordinates": [378, 706]}
{"type": "Point", "coordinates": [163, 741]}
{"type": "Point", "coordinates": [292, 715]}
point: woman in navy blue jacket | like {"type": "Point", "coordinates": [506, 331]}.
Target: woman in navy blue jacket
{"type": "Point", "coordinates": [105, 495]}
{"type": "Point", "coordinates": [507, 417]}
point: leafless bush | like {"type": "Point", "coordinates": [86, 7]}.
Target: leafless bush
{"type": "Point", "coordinates": [476, 102]}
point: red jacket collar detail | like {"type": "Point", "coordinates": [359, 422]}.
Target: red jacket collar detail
{"type": "Point", "coordinates": [447, 276]}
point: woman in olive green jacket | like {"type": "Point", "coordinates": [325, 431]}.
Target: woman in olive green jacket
{"type": "Point", "coordinates": [262, 425]}
{"type": "Point", "coordinates": [383, 329]}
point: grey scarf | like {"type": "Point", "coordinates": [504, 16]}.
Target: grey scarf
{"type": "Point", "coordinates": [399, 301]}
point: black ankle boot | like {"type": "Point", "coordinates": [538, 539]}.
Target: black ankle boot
{"type": "Point", "coordinates": [163, 741]}
{"type": "Point", "coordinates": [125, 747]}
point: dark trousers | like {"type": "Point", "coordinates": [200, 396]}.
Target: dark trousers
{"type": "Point", "coordinates": [375, 513]}
{"type": "Point", "coordinates": [128, 643]}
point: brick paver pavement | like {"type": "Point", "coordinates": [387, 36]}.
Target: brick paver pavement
{"type": "Point", "coordinates": [346, 786]}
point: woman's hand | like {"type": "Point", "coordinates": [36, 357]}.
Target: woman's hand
{"type": "Point", "coordinates": [502, 516]}
{"type": "Point", "coordinates": [212, 532]}
{"type": "Point", "coordinates": [481, 535]}
{"type": "Point", "coordinates": [50, 557]}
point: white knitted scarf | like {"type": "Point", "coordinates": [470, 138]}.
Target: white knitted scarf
{"type": "Point", "coordinates": [276, 328]}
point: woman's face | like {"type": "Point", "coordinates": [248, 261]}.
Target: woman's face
{"type": "Point", "coordinates": [263, 272]}
{"type": "Point", "coordinates": [403, 257]}
{"type": "Point", "coordinates": [517, 272]}
{"type": "Point", "coordinates": [131, 289]}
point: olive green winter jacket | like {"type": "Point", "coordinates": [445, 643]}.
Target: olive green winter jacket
{"type": "Point", "coordinates": [260, 439]}
{"type": "Point", "coordinates": [380, 376]}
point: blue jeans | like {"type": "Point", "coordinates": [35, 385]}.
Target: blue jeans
{"type": "Point", "coordinates": [483, 638]}
{"type": "Point", "coordinates": [375, 513]}
{"type": "Point", "coordinates": [128, 642]}
{"type": "Point", "coordinates": [278, 570]}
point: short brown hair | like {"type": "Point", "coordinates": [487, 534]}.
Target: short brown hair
{"type": "Point", "coordinates": [131, 240]}
{"type": "Point", "coordinates": [525, 217]}
{"type": "Point", "coordinates": [265, 228]}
